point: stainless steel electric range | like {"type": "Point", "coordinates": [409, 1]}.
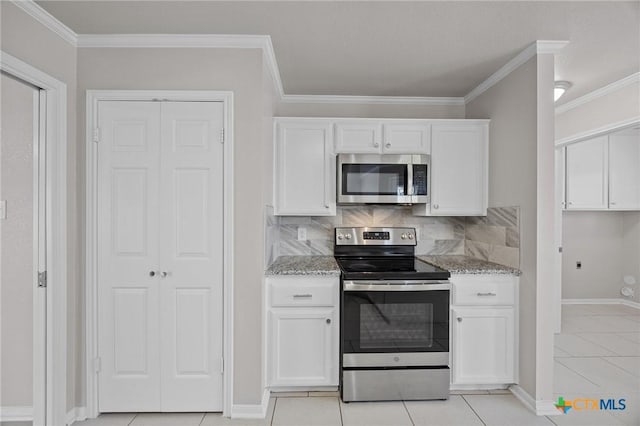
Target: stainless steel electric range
{"type": "Point", "coordinates": [394, 331]}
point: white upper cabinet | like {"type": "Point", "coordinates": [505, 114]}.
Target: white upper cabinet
{"type": "Point", "coordinates": [304, 168]}
{"type": "Point", "coordinates": [587, 175]}
{"type": "Point", "coordinates": [382, 137]}
{"type": "Point", "coordinates": [406, 138]}
{"type": "Point", "coordinates": [358, 137]}
{"type": "Point", "coordinates": [624, 170]}
{"type": "Point", "coordinates": [459, 170]}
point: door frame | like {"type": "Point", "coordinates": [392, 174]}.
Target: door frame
{"type": "Point", "coordinates": [50, 309]}
{"type": "Point", "coordinates": [91, 293]}
{"type": "Point", "coordinates": [560, 193]}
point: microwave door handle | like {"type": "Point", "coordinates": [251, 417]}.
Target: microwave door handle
{"type": "Point", "coordinates": [410, 179]}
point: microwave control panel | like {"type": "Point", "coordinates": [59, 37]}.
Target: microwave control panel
{"type": "Point", "coordinates": [420, 179]}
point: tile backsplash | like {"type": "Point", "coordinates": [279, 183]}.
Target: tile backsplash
{"type": "Point", "coordinates": [495, 237]}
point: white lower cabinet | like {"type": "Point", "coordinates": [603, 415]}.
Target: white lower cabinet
{"type": "Point", "coordinates": [303, 331]}
{"type": "Point", "coordinates": [483, 330]}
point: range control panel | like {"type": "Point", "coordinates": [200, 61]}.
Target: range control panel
{"type": "Point", "coordinates": [365, 236]}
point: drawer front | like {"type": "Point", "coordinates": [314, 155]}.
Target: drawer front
{"type": "Point", "coordinates": [301, 291]}
{"type": "Point", "coordinates": [488, 291]}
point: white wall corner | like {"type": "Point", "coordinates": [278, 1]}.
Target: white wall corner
{"type": "Point", "coordinates": [252, 411]}
{"type": "Point", "coordinates": [537, 47]}
{"type": "Point", "coordinates": [48, 20]}
{"type": "Point", "coordinates": [76, 414]}
{"type": "Point", "coordinates": [16, 414]}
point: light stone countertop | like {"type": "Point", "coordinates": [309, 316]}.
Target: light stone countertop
{"type": "Point", "coordinates": [304, 265]}
{"type": "Point", "coordinates": [458, 264]}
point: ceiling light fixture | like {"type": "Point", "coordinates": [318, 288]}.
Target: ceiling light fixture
{"type": "Point", "coordinates": [559, 88]}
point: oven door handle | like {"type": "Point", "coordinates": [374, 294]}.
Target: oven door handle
{"type": "Point", "coordinates": [396, 285]}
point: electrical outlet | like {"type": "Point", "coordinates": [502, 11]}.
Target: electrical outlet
{"type": "Point", "coordinates": [578, 265]}
{"type": "Point", "coordinates": [302, 233]}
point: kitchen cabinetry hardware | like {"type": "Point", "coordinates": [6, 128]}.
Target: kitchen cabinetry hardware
{"type": "Point", "coordinates": [459, 319]}
{"type": "Point", "coordinates": [152, 273]}
{"type": "Point", "coordinates": [486, 294]}
{"type": "Point", "coordinates": [388, 145]}
{"type": "Point", "coordinates": [328, 320]}
{"type": "Point", "coordinates": [301, 296]}
{"type": "Point", "coordinates": [164, 274]}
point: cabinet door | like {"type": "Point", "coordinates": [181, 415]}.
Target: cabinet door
{"type": "Point", "coordinates": [587, 181]}
{"type": "Point", "coordinates": [303, 347]}
{"type": "Point", "coordinates": [355, 137]}
{"type": "Point", "coordinates": [624, 170]}
{"type": "Point", "coordinates": [459, 163]}
{"type": "Point", "coordinates": [305, 169]}
{"type": "Point", "coordinates": [483, 345]}
{"type": "Point", "coordinates": [406, 138]}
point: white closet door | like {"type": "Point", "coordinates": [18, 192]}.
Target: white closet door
{"type": "Point", "coordinates": [128, 214]}
{"type": "Point", "coordinates": [191, 181]}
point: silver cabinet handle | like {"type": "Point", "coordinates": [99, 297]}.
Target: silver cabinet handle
{"type": "Point", "coordinates": [302, 296]}
{"type": "Point", "coordinates": [459, 319]}
{"type": "Point", "coordinates": [376, 144]}
{"type": "Point", "coordinates": [164, 274]}
{"type": "Point", "coordinates": [328, 320]}
{"type": "Point", "coordinates": [613, 203]}
{"type": "Point", "coordinates": [388, 145]}
{"type": "Point", "coordinates": [436, 206]}
{"type": "Point", "coordinates": [486, 294]}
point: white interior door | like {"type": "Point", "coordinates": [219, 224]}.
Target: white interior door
{"type": "Point", "coordinates": [191, 256]}
{"type": "Point", "coordinates": [160, 256]}
{"type": "Point", "coordinates": [128, 247]}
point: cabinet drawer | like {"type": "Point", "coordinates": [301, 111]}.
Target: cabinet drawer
{"type": "Point", "coordinates": [487, 291]}
{"type": "Point", "coordinates": [296, 291]}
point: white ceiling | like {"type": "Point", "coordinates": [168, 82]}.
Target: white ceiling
{"type": "Point", "coordinates": [392, 48]}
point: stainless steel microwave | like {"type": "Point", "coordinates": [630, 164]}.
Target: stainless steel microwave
{"type": "Point", "coordinates": [383, 179]}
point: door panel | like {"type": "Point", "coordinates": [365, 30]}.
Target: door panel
{"type": "Point", "coordinates": [127, 251]}
{"type": "Point", "coordinates": [191, 252]}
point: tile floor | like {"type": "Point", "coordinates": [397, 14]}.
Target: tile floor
{"type": "Point", "coordinates": [597, 356]}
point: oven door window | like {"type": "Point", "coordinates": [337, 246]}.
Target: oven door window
{"type": "Point", "coordinates": [396, 321]}
{"type": "Point", "coordinates": [374, 179]}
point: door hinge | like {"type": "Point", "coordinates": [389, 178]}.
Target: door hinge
{"type": "Point", "coordinates": [222, 135]}
{"type": "Point", "coordinates": [97, 364]}
{"type": "Point", "coordinates": [42, 279]}
{"type": "Point", "coordinates": [96, 135]}
{"type": "Point", "coordinates": [221, 365]}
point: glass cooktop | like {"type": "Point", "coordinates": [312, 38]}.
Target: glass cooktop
{"type": "Point", "coordinates": [391, 268]}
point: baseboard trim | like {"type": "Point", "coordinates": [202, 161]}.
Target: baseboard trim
{"type": "Point", "coordinates": [539, 407]}
{"type": "Point", "coordinates": [16, 414]}
{"type": "Point", "coordinates": [252, 411]}
{"type": "Point", "coordinates": [624, 302]}
{"type": "Point", "coordinates": [76, 414]}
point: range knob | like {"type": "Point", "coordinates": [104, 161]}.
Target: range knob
{"type": "Point", "coordinates": [340, 236]}
{"type": "Point", "coordinates": [403, 236]}
{"type": "Point", "coordinates": [411, 236]}
{"type": "Point", "coordinates": [348, 236]}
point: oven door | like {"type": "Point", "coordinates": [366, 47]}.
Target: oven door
{"type": "Point", "coordinates": [383, 327]}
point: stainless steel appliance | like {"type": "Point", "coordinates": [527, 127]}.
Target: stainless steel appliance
{"type": "Point", "coordinates": [383, 179]}
{"type": "Point", "coordinates": [394, 331]}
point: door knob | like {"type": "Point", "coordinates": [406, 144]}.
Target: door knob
{"type": "Point", "coordinates": [459, 319]}
{"type": "Point", "coordinates": [152, 273]}
{"type": "Point", "coordinates": [164, 274]}
{"type": "Point", "coordinates": [328, 320]}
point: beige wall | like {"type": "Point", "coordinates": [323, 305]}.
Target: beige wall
{"type": "Point", "coordinates": [512, 107]}
{"type": "Point", "coordinates": [623, 104]}
{"type": "Point", "coordinates": [240, 71]}
{"type": "Point", "coordinates": [285, 109]}
{"type": "Point", "coordinates": [596, 240]}
{"type": "Point", "coordinates": [31, 42]}
{"type": "Point", "coordinates": [16, 259]}
{"type": "Point", "coordinates": [631, 248]}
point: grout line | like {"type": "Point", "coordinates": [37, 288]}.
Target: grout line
{"type": "Point", "coordinates": [578, 373]}
{"type": "Point", "coordinates": [134, 417]}
{"type": "Point", "coordinates": [472, 409]}
{"type": "Point", "coordinates": [202, 419]}
{"type": "Point", "coordinates": [340, 411]}
{"type": "Point", "coordinates": [408, 413]}
{"type": "Point", "coordinates": [550, 418]}
{"type": "Point", "coordinates": [617, 366]}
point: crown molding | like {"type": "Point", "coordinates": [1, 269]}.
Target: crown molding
{"type": "Point", "coordinates": [232, 41]}
{"type": "Point", "coordinates": [379, 100]}
{"type": "Point", "coordinates": [539, 47]}
{"type": "Point", "coordinates": [599, 131]}
{"type": "Point", "coordinates": [609, 88]}
{"type": "Point", "coordinates": [48, 20]}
